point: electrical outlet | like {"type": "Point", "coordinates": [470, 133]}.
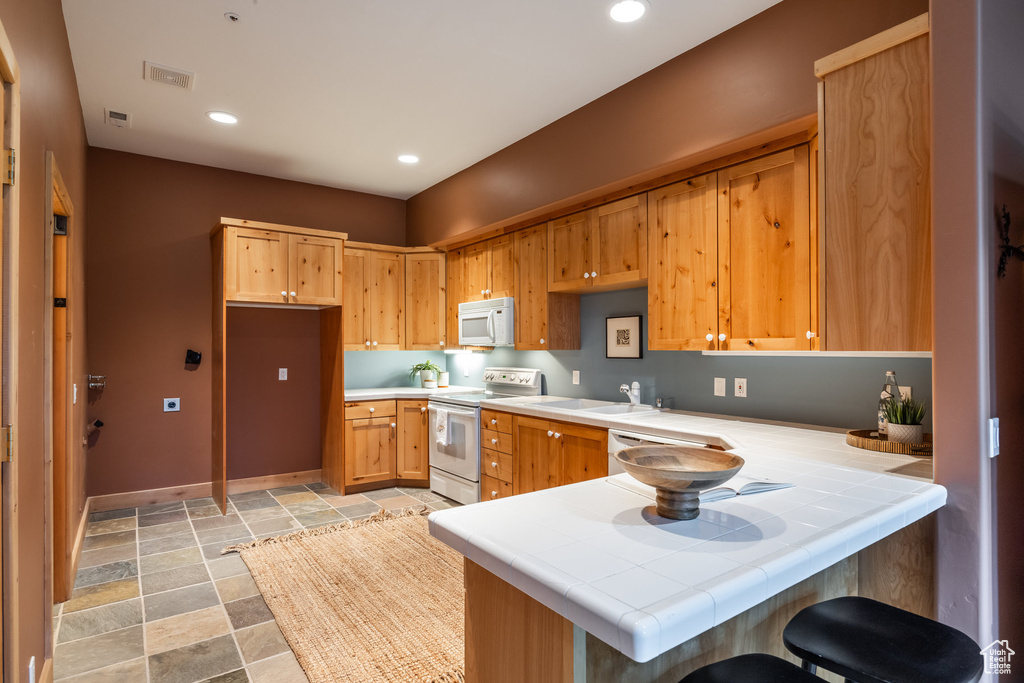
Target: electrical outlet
{"type": "Point", "coordinates": [741, 387]}
{"type": "Point", "coordinates": [575, 376]}
{"type": "Point", "coordinates": [905, 393]}
{"type": "Point", "coordinates": [172, 405]}
{"type": "Point", "coordinates": [282, 374]}
{"type": "Point", "coordinates": [719, 386]}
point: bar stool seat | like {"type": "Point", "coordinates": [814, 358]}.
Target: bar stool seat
{"type": "Point", "coordinates": [867, 641]}
{"type": "Point", "coordinates": [751, 669]}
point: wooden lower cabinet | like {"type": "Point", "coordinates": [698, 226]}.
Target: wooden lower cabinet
{"type": "Point", "coordinates": [386, 444]}
{"type": "Point", "coordinates": [492, 489]}
{"type": "Point", "coordinates": [547, 453]}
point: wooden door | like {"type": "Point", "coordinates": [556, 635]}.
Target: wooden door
{"type": "Point", "coordinates": [370, 450]}
{"type": "Point", "coordinates": [584, 452]}
{"type": "Point", "coordinates": [536, 463]}
{"type": "Point", "coordinates": [764, 268]}
{"type": "Point", "coordinates": [682, 293]}
{"type": "Point", "coordinates": [618, 244]}
{"type": "Point", "coordinates": [475, 280]}
{"type": "Point", "coordinates": [356, 299]}
{"type": "Point", "coordinates": [314, 270]}
{"type": "Point", "coordinates": [877, 128]}
{"type": "Point", "coordinates": [413, 465]}
{"type": "Point", "coordinates": [256, 266]}
{"type": "Point", "coordinates": [425, 301]}
{"type": "Point", "coordinates": [453, 266]}
{"type": "Point", "coordinates": [531, 288]}
{"type": "Point", "coordinates": [569, 252]}
{"type": "Point", "coordinates": [387, 302]}
{"type": "Point", "coordinates": [501, 267]}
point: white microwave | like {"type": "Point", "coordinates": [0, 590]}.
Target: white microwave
{"type": "Point", "coordinates": [487, 323]}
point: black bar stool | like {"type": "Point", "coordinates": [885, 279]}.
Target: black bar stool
{"type": "Point", "coordinates": [751, 669]}
{"type": "Point", "coordinates": [867, 641]}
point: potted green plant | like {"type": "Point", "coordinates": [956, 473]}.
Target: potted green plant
{"type": "Point", "coordinates": [905, 419]}
{"type": "Point", "coordinates": [428, 372]}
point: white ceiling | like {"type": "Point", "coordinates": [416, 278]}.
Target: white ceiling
{"type": "Point", "coordinates": [332, 91]}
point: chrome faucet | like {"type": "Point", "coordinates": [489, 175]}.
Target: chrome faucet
{"type": "Point", "coordinates": [633, 393]}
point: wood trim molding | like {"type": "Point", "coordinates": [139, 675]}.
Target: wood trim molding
{"type": "Point", "coordinates": [257, 225]}
{"type": "Point", "coordinates": [46, 675]}
{"type": "Point", "coordinates": [117, 501]}
{"type": "Point", "coordinates": [908, 30]}
{"type": "Point", "coordinates": [391, 248]}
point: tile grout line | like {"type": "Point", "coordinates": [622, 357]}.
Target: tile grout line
{"type": "Point", "coordinates": [142, 597]}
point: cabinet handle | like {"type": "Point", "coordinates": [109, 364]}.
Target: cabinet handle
{"type": "Point", "coordinates": [283, 293]}
{"type": "Point", "coordinates": [541, 341]}
{"type": "Point", "coordinates": [442, 343]}
{"type": "Point", "coordinates": [423, 410]}
{"type": "Point", "coordinates": [494, 441]}
{"type": "Point", "coordinates": [375, 343]}
{"type": "Point", "coordinates": [487, 292]}
{"type": "Point", "coordinates": [482, 292]}
{"type": "Point", "coordinates": [293, 293]}
{"type": "Point", "coordinates": [593, 274]}
{"type": "Point", "coordinates": [494, 494]}
{"type": "Point", "coordinates": [721, 337]}
{"type": "Point", "coordinates": [494, 421]}
{"type": "Point", "coordinates": [494, 465]}
{"type": "Point", "coordinates": [586, 276]}
{"type": "Point", "coordinates": [557, 435]}
{"type": "Point", "coordinates": [367, 343]}
{"type": "Point", "coordinates": [372, 409]}
{"type": "Point", "coordinates": [810, 335]}
{"type": "Point", "coordinates": [550, 433]}
{"type": "Point", "coordinates": [710, 337]}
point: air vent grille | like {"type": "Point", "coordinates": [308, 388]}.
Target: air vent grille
{"type": "Point", "coordinates": [178, 78]}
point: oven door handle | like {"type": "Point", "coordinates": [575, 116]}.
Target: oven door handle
{"type": "Point", "coordinates": [462, 412]}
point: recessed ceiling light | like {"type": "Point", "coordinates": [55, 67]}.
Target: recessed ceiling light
{"type": "Point", "coordinates": [625, 11]}
{"type": "Point", "coordinates": [222, 117]}
{"type": "Point", "coordinates": [409, 159]}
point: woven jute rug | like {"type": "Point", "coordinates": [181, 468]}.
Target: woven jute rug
{"type": "Point", "coordinates": [374, 600]}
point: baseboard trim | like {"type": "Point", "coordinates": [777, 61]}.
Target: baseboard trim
{"type": "Point", "coordinates": [130, 499]}
{"type": "Point", "coordinates": [76, 550]}
{"type": "Point", "coordinates": [46, 675]}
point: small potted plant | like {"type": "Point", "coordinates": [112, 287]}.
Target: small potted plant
{"type": "Point", "coordinates": [904, 419]}
{"type": "Point", "coordinates": [428, 373]}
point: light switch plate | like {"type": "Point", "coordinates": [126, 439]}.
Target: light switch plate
{"type": "Point", "coordinates": [282, 373]}
{"type": "Point", "coordinates": [719, 386]}
{"type": "Point", "coordinates": [906, 392]}
{"type": "Point", "coordinates": [172, 405]}
{"type": "Point", "coordinates": [575, 376]}
{"type": "Point", "coordinates": [741, 387]}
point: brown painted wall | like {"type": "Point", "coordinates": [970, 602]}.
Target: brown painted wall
{"type": "Point", "coordinates": [756, 76]}
{"type": "Point", "coordinates": [150, 292]}
{"type": "Point", "coordinates": [51, 119]}
{"type": "Point", "coordinates": [273, 426]}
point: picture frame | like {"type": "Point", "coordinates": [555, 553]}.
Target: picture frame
{"type": "Point", "coordinates": [624, 337]}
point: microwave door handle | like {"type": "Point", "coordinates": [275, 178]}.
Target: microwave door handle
{"type": "Point", "coordinates": [490, 324]}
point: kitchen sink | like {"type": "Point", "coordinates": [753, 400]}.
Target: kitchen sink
{"type": "Point", "coordinates": [619, 409]}
{"type": "Point", "coordinates": [577, 404]}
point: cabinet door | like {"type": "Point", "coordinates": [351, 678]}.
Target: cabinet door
{"type": "Point", "coordinates": [569, 251]}
{"type": "Point", "coordinates": [536, 463]}
{"type": "Point", "coordinates": [314, 270]}
{"type": "Point", "coordinates": [356, 299]}
{"type": "Point", "coordinates": [618, 243]}
{"type": "Point", "coordinates": [454, 266]}
{"type": "Point", "coordinates": [502, 270]}
{"type": "Point", "coordinates": [531, 311]}
{"type": "Point", "coordinates": [764, 268]}
{"type": "Point", "coordinates": [584, 452]}
{"type": "Point", "coordinates": [370, 450]}
{"type": "Point", "coordinates": [475, 281]}
{"type": "Point", "coordinates": [425, 301]}
{"type": "Point", "coordinates": [387, 302]}
{"type": "Point", "coordinates": [256, 266]}
{"type": "Point", "coordinates": [682, 290]}
{"type": "Point", "coordinates": [413, 433]}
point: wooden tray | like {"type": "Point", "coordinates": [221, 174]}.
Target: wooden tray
{"type": "Point", "coordinates": [869, 439]}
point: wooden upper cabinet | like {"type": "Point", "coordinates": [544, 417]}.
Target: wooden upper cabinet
{"type": "Point", "coordinates": [425, 301]}
{"type": "Point", "coordinates": [487, 270]}
{"type": "Point", "coordinates": [682, 298]}
{"type": "Point", "coordinates": [764, 268]}
{"type": "Point", "coordinates": [454, 268]}
{"type": "Point", "coordinates": [876, 130]}
{"type": "Point", "coordinates": [543, 321]}
{"type": "Point", "coordinates": [502, 270]}
{"type": "Point", "coordinates": [599, 249]}
{"type": "Point", "coordinates": [271, 266]}
{"type": "Point", "coordinates": [374, 295]}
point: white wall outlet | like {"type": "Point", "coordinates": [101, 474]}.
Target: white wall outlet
{"type": "Point", "coordinates": [172, 405]}
{"type": "Point", "coordinates": [905, 393]}
{"type": "Point", "coordinates": [719, 386]}
{"type": "Point", "coordinates": [575, 376]}
{"type": "Point", "coordinates": [741, 387]}
{"type": "Point", "coordinates": [282, 374]}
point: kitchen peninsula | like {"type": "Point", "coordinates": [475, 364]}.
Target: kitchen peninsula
{"type": "Point", "coordinates": [585, 583]}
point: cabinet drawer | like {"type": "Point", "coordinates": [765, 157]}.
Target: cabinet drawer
{"type": "Point", "coordinates": [499, 422]}
{"type": "Point", "coordinates": [361, 410]}
{"type": "Point", "coordinates": [495, 441]}
{"type": "Point", "coordinates": [492, 489]}
{"type": "Point", "coordinates": [497, 465]}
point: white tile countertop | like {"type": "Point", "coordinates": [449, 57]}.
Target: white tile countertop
{"type": "Point", "coordinates": [597, 554]}
{"type": "Point", "coordinates": [384, 393]}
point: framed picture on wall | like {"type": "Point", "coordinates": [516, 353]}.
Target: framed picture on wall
{"type": "Point", "coordinates": [624, 338]}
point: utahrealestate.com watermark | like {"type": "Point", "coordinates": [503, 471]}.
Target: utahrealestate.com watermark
{"type": "Point", "coordinates": [997, 657]}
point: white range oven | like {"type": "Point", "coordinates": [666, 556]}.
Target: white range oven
{"type": "Point", "coordinates": [455, 464]}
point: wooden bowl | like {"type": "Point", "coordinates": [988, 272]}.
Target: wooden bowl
{"type": "Point", "coordinates": [679, 473]}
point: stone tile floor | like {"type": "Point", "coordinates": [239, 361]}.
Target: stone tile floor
{"type": "Point", "coordinates": [156, 602]}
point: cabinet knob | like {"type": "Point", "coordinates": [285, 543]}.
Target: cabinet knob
{"type": "Point", "coordinates": [550, 433]}
{"type": "Point", "coordinates": [367, 343]}
{"type": "Point", "coordinates": [423, 409]}
{"type": "Point", "coordinates": [710, 337]}
{"type": "Point", "coordinates": [494, 421]}
{"type": "Point", "coordinates": [375, 343]}
{"type": "Point", "coordinates": [810, 335]}
{"type": "Point", "coordinates": [541, 341]}
{"type": "Point", "coordinates": [482, 291]}
{"type": "Point", "coordinates": [721, 337]}
{"type": "Point", "coordinates": [586, 276]}
{"type": "Point", "coordinates": [372, 409]}
{"type": "Point", "coordinates": [487, 291]}
{"type": "Point", "coordinates": [557, 435]}
{"type": "Point", "coordinates": [494, 441]}
{"type": "Point", "coordinates": [293, 293]}
{"type": "Point", "coordinates": [593, 273]}
{"type": "Point", "coordinates": [393, 425]}
{"type": "Point", "coordinates": [494, 465]}
{"type": "Point", "coordinates": [494, 494]}
{"type": "Point", "coordinates": [442, 343]}
{"type": "Point", "coordinates": [284, 293]}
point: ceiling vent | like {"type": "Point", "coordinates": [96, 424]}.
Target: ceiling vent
{"type": "Point", "coordinates": [169, 75]}
{"type": "Point", "coordinates": [117, 119]}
